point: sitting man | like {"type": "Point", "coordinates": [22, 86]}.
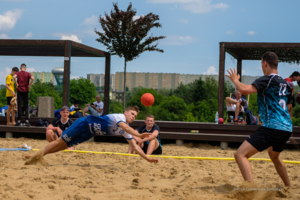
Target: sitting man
{"type": "Point", "coordinates": [237, 105]}
{"type": "Point", "coordinates": [151, 144]}
{"type": "Point", "coordinates": [58, 125]}
{"type": "Point", "coordinates": [96, 108]}
{"type": "Point", "coordinates": [75, 106]}
{"type": "Point", "coordinates": [295, 76]}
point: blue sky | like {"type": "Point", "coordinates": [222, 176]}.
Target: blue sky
{"type": "Point", "coordinates": [193, 29]}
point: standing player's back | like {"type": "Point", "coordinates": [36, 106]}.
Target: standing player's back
{"type": "Point", "coordinates": [273, 95]}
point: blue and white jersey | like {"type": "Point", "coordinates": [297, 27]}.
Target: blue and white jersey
{"type": "Point", "coordinates": [273, 95]}
{"type": "Point", "coordinates": [107, 125]}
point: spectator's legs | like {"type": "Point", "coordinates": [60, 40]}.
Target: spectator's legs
{"type": "Point", "coordinates": [51, 136]}
{"type": "Point", "coordinates": [85, 110]}
{"type": "Point", "coordinates": [93, 111]}
{"type": "Point", "coordinates": [237, 110]}
{"type": "Point", "coordinates": [25, 102]}
{"type": "Point", "coordinates": [13, 112]}
{"type": "Point", "coordinates": [230, 101]}
{"type": "Point", "coordinates": [8, 114]}
{"type": "Point", "coordinates": [153, 145]}
{"type": "Point", "coordinates": [19, 102]}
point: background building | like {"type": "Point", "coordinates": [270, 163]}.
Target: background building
{"type": "Point", "coordinates": [58, 73]}
{"type": "Point", "coordinates": [44, 77]}
{"type": "Point", "coordinates": [99, 79]}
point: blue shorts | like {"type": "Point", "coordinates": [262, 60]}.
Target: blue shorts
{"type": "Point", "coordinates": [77, 133]}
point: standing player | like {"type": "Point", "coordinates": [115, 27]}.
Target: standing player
{"type": "Point", "coordinates": [273, 95]}
{"type": "Point", "coordinates": [10, 93]}
{"type": "Point", "coordinates": [151, 144]}
{"type": "Point", "coordinates": [86, 127]}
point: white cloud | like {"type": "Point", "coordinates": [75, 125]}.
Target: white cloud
{"type": "Point", "coordinates": [4, 36]}
{"type": "Point", "coordinates": [93, 20]}
{"type": "Point", "coordinates": [184, 21]}
{"type": "Point", "coordinates": [229, 32]}
{"type": "Point", "coordinates": [194, 6]}
{"type": "Point", "coordinates": [137, 16]}
{"type": "Point", "coordinates": [211, 70]}
{"type": "Point", "coordinates": [28, 35]}
{"type": "Point", "coordinates": [3, 74]}
{"type": "Point", "coordinates": [71, 37]}
{"type": "Point", "coordinates": [179, 40]}
{"type": "Point", "coordinates": [30, 69]}
{"type": "Point", "coordinates": [252, 32]}
{"type": "Point", "coordinates": [9, 19]}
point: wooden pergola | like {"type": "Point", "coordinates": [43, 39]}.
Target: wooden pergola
{"type": "Point", "coordinates": [287, 52]}
{"type": "Point", "coordinates": [61, 48]}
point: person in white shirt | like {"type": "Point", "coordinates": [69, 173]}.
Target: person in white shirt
{"type": "Point", "coordinates": [86, 127]}
{"type": "Point", "coordinates": [96, 108]}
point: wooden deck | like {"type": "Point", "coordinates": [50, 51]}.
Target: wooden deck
{"type": "Point", "coordinates": [173, 130]}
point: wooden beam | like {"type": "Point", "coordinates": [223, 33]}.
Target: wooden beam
{"type": "Point", "coordinates": [106, 85]}
{"type": "Point", "coordinates": [67, 65]}
{"type": "Point", "coordinates": [239, 68]}
{"type": "Point", "coordinates": [260, 45]}
{"type": "Point", "coordinates": [221, 79]}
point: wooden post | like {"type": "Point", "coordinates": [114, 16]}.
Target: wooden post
{"type": "Point", "coordinates": [67, 65]}
{"type": "Point", "coordinates": [221, 79]}
{"type": "Point", "coordinates": [239, 68]}
{"type": "Point", "coordinates": [106, 85]}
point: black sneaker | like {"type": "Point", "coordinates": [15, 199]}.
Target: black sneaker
{"type": "Point", "coordinates": [18, 123]}
{"type": "Point", "coordinates": [27, 123]}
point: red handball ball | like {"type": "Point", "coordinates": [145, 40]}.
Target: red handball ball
{"type": "Point", "coordinates": [221, 121]}
{"type": "Point", "coordinates": [147, 99]}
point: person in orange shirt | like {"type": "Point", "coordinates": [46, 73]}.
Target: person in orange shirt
{"type": "Point", "coordinates": [10, 93]}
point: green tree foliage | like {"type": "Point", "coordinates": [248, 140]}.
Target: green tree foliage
{"type": "Point", "coordinates": [115, 107]}
{"type": "Point", "coordinates": [126, 37]}
{"type": "Point", "coordinates": [44, 89]}
{"type": "Point", "coordinates": [82, 90]}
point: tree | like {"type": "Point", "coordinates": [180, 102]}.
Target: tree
{"type": "Point", "coordinates": [127, 37]}
{"type": "Point", "coordinates": [83, 90]}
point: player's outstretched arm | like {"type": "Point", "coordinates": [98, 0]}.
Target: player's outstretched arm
{"type": "Point", "coordinates": [243, 88]}
{"type": "Point", "coordinates": [131, 131]}
{"type": "Point", "coordinates": [141, 152]}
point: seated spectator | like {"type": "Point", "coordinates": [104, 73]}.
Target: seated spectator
{"type": "Point", "coordinates": [151, 144]}
{"type": "Point", "coordinates": [96, 108]}
{"type": "Point", "coordinates": [75, 105]}
{"type": "Point", "coordinates": [236, 104]}
{"type": "Point", "coordinates": [295, 76]}
{"type": "Point", "coordinates": [58, 125]}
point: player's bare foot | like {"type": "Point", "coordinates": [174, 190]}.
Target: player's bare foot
{"type": "Point", "coordinates": [71, 148]}
{"type": "Point", "coordinates": [37, 159]}
{"type": "Point", "coordinates": [28, 156]}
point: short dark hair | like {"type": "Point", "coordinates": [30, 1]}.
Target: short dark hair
{"type": "Point", "coordinates": [271, 58]}
{"type": "Point", "coordinates": [15, 69]}
{"type": "Point", "coordinates": [65, 108]}
{"type": "Point", "coordinates": [134, 108]}
{"type": "Point", "coordinates": [150, 116]}
{"type": "Point", "coordinates": [295, 73]}
{"type": "Point", "coordinates": [23, 65]}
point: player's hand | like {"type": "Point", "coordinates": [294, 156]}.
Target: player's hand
{"type": "Point", "coordinates": [143, 135]}
{"type": "Point", "coordinates": [17, 85]}
{"type": "Point", "coordinates": [28, 87]}
{"type": "Point", "coordinates": [233, 75]}
{"type": "Point", "coordinates": [153, 160]}
{"type": "Point", "coordinates": [14, 94]}
{"type": "Point", "coordinates": [140, 143]}
{"type": "Point", "coordinates": [59, 131]}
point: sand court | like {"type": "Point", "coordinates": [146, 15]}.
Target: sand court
{"type": "Point", "coordinates": [98, 176]}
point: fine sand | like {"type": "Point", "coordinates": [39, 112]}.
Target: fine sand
{"type": "Point", "coordinates": [81, 176]}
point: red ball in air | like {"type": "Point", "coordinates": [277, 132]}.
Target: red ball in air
{"type": "Point", "coordinates": [221, 121]}
{"type": "Point", "coordinates": [147, 99]}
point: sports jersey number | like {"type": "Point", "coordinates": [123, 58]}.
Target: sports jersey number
{"type": "Point", "coordinates": [282, 103]}
{"type": "Point", "coordinates": [282, 89]}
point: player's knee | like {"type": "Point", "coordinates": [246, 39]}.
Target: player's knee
{"type": "Point", "coordinates": [49, 132]}
{"type": "Point", "coordinates": [237, 155]}
{"type": "Point", "coordinates": [227, 98]}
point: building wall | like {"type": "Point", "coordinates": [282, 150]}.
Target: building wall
{"type": "Point", "coordinates": [99, 80]}
{"type": "Point", "coordinates": [44, 77]}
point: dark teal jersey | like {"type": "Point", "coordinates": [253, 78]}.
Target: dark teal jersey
{"type": "Point", "coordinates": [273, 95]}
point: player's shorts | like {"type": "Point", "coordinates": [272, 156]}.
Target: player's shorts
{"type": "Point", "coordinates": [76, 133]}
{"type": "Point", "coordinates": [233, 107]}
{"type": "Point", "coordinates": [8, 100]}
{"type": "Point", "coordinates": [157, 151]}
{"type": "Point", "coordinates": [264, 137]}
